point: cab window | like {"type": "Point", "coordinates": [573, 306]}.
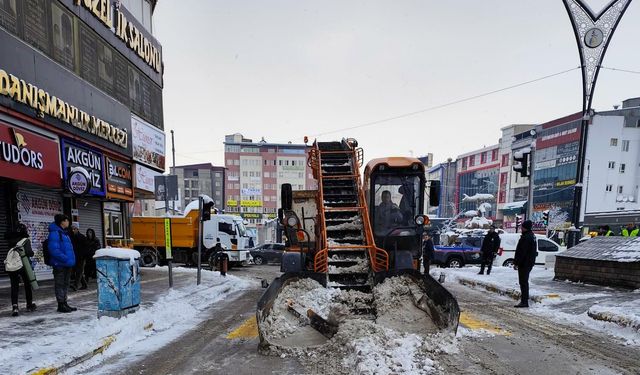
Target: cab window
{"type": "Point", "coordinates": [226, 228]}
{"type": "Point", "coordinates": [547, 246]}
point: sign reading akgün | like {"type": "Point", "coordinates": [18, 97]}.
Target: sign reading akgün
{"type": "Point", "coordinates": [125, 30]}
{"type": "Point", "coordinates": [40, 100]}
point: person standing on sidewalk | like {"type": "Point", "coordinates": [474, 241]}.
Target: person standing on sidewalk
{"type": "Point", "coordinates": [19, 242]}
{"type": "Point", "coordinates": [524, 260]}
{"type": "Point", "coordinates": [93, 245]}
{"type": "Point", "coordinates": [79, 242]}
{"type": "Point", "coordinates": [427, 253]}
{"type": "Point", "coordinates": [62, 260]}
{"type": "Point", "coordinates": [489, 249]}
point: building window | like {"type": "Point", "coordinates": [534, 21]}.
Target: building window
{"type": "Point", "coordinates": [464, 163]}
{"type": "Point", "coordinates": [612, 164]}
{"type": "Point", "coordinates": [494, 155]}
{"type": "Point", "coordinates": [608, 188]}
{"type": "Point", "coordinates": [622, 167]}
{"type": "Point", "coordinates": [483, 158]}
{"type": "Point", "coordinates": [505, 160]}
{"type": "Point", "coordinates": [472, 160]}
{"type": "Point", "coordinates": [625, 145]}
{"type": "Point", "coordinates": [613, 142]}
{"type": "Point", "coordinates": [113, 224]}
{"type": "Point", "coordinates": [619, 189]}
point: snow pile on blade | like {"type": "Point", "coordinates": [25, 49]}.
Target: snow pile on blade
{"type": "Point", "coordinates": [400, 339]}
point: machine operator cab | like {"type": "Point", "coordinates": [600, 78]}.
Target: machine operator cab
{"type": "Point", "coordinates": [394, 189]}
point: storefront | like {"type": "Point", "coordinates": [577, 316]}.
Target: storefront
{"type": "Point", "coordinates": [29, 184]}
{"type": "Point", "coordinates": [120, 198]}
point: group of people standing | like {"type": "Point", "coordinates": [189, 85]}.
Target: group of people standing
{"type": "Point", "coordinates": [67, 251]}
{"type": "Point", "coordinates": [524, 259]}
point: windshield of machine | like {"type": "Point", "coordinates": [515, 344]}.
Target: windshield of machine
{"type": "Point", "coordinates": [396, 202]}
{"type": "Point", "coordinates": [241, 229]}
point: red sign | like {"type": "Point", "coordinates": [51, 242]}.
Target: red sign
{"type": "Point", "coordinates": [26, 156]}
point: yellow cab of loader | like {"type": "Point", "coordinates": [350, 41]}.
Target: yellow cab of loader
{"type": "Point", "coordinates": [395, 189]}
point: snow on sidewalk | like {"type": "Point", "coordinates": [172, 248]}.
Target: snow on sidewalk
{"type": "Point", "coordinates": [48, 339]}
{"type": "Point", "coordinates": [617, 310]}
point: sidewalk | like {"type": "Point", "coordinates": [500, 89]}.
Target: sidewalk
{"type": "Point", "coordinates": [568, 301]}
{"type": "Point", "coordinates": [46, 341]}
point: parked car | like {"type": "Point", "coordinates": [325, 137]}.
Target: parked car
{"type": "Point", "coordinates": [509, 241]}
{"type": "Point", "coordinates": [265, 253]}
{"type": "Point", "coordinates": [465, 251]}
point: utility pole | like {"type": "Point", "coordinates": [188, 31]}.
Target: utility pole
{"type": "Point", "coordinates": [173, 155]}
{"type": "Point", "coordinates": [200, 209]}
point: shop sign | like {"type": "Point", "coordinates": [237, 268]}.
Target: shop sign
{"type": "Point", "coordinates": [79, 160]}
{"type": "Point", "coordinates": [137, 42]}
{"type": "Point", "coordinates": [78, 182]}
{"type": "Point", "coordinates": [251, 191]}
{"type": "Point", "coordinates": [232, 203]}
{"type": "Point", "coordinates": [44, 103]}
{"type": "Point", "coordinates": [272, 216]}
{"type": "Point", "coordinates": [250, 203]}
{"type": "Point", "coordinates": [145, 178]}
{"type": "Point", "coordinates": [119, 179]}
{"type": "Point", "coordinates": [148, 143]}
{"type": "Point", "coordinates": [251, 215]}
{"type": "Point", "coordinates": [564, 183]}
{"type": "Point", "coordinates": [26, 156]}
{"type": "Point", "coordinates": [135, 39]}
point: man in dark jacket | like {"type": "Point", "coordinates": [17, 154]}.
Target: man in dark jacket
{"type": "Point", "coordinates": [79, 242]}
{"type": "Point", "coordinates": [427, 253]}
{"type": "Point", "coordinates": [524, 260]}
{"type": "Point", "coordinates": [62, 259]}
{"type": "Point", "coordinates": [490, 246]}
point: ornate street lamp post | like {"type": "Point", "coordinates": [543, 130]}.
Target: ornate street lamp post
{"type": "Point", "coordinates": [593, 33]}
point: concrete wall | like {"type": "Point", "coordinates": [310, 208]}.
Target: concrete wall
{"type": "Point", "coordinates": [623, 274]}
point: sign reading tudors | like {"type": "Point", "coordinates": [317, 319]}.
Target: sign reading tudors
{"type": "Point", "coordinates": [119, 180]}
{"type": "Point", "coordinates": [26, 156]}
{"type": "Point", "coordinates": [80, 161]}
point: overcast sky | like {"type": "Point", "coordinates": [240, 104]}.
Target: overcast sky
{"type": "Point", "coordinates": [283, 69]}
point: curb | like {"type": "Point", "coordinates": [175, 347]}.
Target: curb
{"type": "Point", "coordinates": [106, 342]}
{"type": "Point", "coordinates": [512, 293]}
{"type": "Point", "coordinates": [614, 318]}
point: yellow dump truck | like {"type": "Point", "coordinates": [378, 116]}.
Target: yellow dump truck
{"type": "Point", "coordinates": [223, 233]}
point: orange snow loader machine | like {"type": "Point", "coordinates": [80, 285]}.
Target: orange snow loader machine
{"type": "Point", "coordinates": [353, 233]}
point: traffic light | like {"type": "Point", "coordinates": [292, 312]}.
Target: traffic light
{"type": "Point", "coordinates": [521, 162]}
{"type": "Point", "coordinates": [518, 222]}
{"type": "Point", "coordinates": [545, 218]}
{"type": "Point", "coordinates": [206, 210]}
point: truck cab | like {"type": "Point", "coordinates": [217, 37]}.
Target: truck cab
{"type": "Point", "coordinates": [228, 231]}
{"type": "Point", "coordinates": [395, 190]}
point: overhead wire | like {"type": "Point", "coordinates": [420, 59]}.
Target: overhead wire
{"type": "Point", "coordinates": [439, 106]}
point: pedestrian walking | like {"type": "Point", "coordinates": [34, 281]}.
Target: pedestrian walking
{"type": "Point", "coordinates": [489, 249]}
{"type": "Point", "coordinates": [17, 268]}
{"type": "Point", "coordinates": [62, 259]}
{"type": "Point", "coordinates": [93, 245]}
{"type": "Point", "coordinates": [606, 231]}
{"type": "Point", "coordinates": [79, 242]}
{"type": "Point", "coordinates": [524, 259]}
{"type": "Point", "coordinates": [427, 253]}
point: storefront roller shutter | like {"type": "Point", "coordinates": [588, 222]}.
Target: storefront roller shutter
{"type": "Point", "coordinates": [36, 209]}
{"type": "Point", "coordinates": [4, 226]}
{"type": "Point", "coordinates": [90, 216]}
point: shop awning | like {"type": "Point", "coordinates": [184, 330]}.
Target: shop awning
{"type": "Point", "coordinates": [513, 208]}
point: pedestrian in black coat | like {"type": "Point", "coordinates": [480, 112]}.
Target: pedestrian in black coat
{"type": "Point", "coordinates": [93, 245]}
{"type": "Point", "coordinates": [427, 253]}
{"type": "Point", "coordinates": [79, 242]}
{"type": "Point", "coordinates": [524, 260]}
{"type": "Point", "coordinates": [490, 246]}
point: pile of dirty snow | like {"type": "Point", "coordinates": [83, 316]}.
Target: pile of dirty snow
{"type": "Point", "coordinates": [397, 300]}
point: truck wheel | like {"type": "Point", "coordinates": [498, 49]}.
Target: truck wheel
{"type": "Point", "coordinates": [148, 258]}
{"type": "Point", "coordinates": [454, 263]}
{"type": "Point", "coordinates": [258, 260]}
{"type": "Point", "coordinates": [508, 263]}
